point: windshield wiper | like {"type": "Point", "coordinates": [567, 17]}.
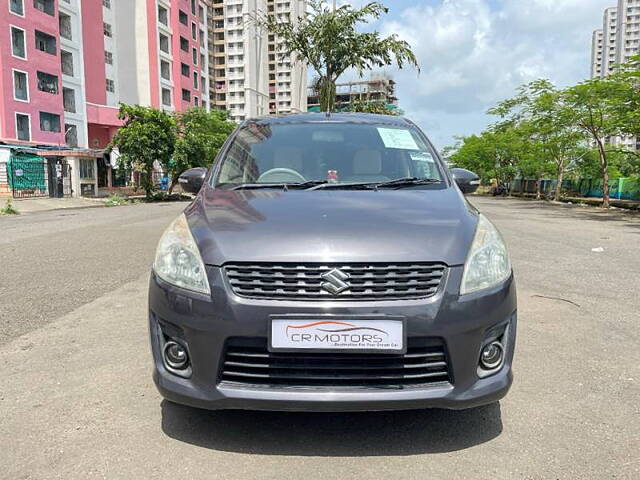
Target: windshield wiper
{"type": "Point", "coordinates": [407, 181]}
{"type": "Point", "coordinates": [283, 185]}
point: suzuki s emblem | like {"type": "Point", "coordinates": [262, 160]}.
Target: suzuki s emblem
{"type": "Point", "coordinates": [335, 281]}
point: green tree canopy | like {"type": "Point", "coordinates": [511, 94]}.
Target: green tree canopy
{"type": "Point", "coordinates": [200, 134]}
{"type": "Point", "coordinates": [593, 105]}
{"type": "Point", "coordinates": [147, 136]}
{"type": "Point", "coordinates": [330, 42]}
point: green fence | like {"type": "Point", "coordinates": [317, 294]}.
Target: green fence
{"type": "Point", "coordinates": [26, 174]}
{"type": "Point", "coordinates": [625, 188]}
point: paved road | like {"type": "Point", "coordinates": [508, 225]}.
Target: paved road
{"type": "Point", "coordinates": [76, 398]}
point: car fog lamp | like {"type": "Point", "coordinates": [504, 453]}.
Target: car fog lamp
{"type": "Point", "coordinates": [491, 356]}
{"type": "Point", "coordinates": [175, 355]}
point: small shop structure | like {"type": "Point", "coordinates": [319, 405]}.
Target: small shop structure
{"type": "Point", "coordinates": [48, 171]}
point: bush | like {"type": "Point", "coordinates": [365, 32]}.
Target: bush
{"type": "Point", "coordinates": [9, 209]}
{"type": "Point", "coordinates": [115, 200]}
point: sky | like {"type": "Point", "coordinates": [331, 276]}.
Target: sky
{"type": "Point", "coordinates": [474, 53]}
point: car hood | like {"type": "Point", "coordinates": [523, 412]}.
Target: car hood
{"type": "Point", "coordinates": [417, 225]}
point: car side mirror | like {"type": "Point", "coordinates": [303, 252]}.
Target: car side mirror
{"type": "Point", "coordinates": [467, 181]}
{"type": "Point", "coordinates": [191, 181]}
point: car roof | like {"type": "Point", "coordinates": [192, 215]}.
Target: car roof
{"type": "Point", "coordinates": [324, 117]}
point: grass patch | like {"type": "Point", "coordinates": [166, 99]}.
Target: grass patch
{"type": "Point", "coordinates": [9, 209]}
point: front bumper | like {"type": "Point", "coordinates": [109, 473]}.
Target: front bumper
{"type": "Point", "coordinates": [205, 323]}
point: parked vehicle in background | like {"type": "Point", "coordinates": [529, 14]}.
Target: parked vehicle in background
{"type": "Point", "coordinates": [331, 263]}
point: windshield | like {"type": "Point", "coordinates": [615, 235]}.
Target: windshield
{"type": "Point", "coordinates": [325, 153]}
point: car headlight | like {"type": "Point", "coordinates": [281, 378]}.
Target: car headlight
{"type": "Point", "coordinates": [178, 259]}
{"type": "Point", "coordinates": [488, 262]}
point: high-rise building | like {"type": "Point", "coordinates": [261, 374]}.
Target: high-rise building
{"type": "Point", "coordinates": [628, 28]}
{"type": "Point", "coordinates": [247, 76]}
{"type": "Point", "coordinates": [597, 48]}
{"type": "Point", "coordinates": [616, 43]}
{"type": "Point", "coordinates": [609, 39]}
{"type": "Point", "coordinates": [70, 63]}
{"type": "Point", "coordinates": [287, 77]}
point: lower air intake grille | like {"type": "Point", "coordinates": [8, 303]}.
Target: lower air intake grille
{"type": "Point", "coordinates": [247, 362]}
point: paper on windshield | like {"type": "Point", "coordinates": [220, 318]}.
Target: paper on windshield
{"type": "Point", "coordinates": [397, 138]}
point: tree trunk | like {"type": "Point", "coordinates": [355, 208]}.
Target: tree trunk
{"type": "Point", "coordinates": [538, 185]}
{"type": "Point", "coordinates": [559, 179]}
{"type": "Point", "coordinates": [327, 94]}
{"type": "Point", "coordinates": [174, 182]}
{"type": "Point", "coordinates": [605, 175]}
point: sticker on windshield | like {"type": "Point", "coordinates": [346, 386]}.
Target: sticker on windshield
{"type": "Point", "coordinates": [421, 157]}
{"type": "Point", "coordinates": [397, 138]}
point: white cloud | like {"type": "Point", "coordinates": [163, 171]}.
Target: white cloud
{"type": "Point", "coordinates": [474, 53]}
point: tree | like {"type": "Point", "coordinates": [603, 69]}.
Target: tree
{"type": "Point", "coordinates": [595, 112]}
{"type": "Point", "coordinates": [147, 136]}
{"type": "Point", "coordinates": [200, 134]}
{"type": "Point", "coordinates": [550, 124]}
{"type": "Point", "coordinates": [493, 154]}
{"type": "Point", "coordinates": [328, 40]}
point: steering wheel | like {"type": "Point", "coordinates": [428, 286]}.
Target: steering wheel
{"type": "Point", "coordinates": [281, 175]}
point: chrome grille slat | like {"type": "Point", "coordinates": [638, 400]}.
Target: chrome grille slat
{"type": "Point", "coordinates": [248, 362]}
{"type": "Point", "coordinates": [304, 281]}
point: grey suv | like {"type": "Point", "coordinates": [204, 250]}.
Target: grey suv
{"type": "Point", "coordinates": [331, 263]}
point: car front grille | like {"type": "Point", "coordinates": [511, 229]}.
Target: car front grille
{"type": "Point", "coordinates": [375, 281]}
{"type": "Point", "coordinates": [248, 362]}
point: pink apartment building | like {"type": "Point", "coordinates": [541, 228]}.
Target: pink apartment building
{"type": "Point", "coordinates": [66, 66]}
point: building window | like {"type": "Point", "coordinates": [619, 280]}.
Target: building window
{"type": "Point", "coordinates": [49, 122]}
{"type": "Point", "coordinates": [108, 57]}
{"type": "Point", "coordinates": [46, 6]}
{"type": "Point", "coordinates": [202, 60]}
{"type": "Point", "coordinates": [17, 7]}
{"type": "Point", "coordinates": [184, 44]}
{"type": "Point", "coordinates": [201, 13]}
{"type": "Point", "coordinates": [17, 43]}
{"type": "Point", "coordinates": [195, 80]}
{"type": "Point", "coordinates": [164, 43]}
{"type": "Point", "coordinates": [66, 59]}
{"type": "Point", "coordinates": [106, 3]}
{"type": "Point", "coordinates": [165, 70]}
{"type": "Point", "coordinates": [204, 105]}
{"type": "Point", "coordinates": [107, 30]}
{"type": "Point", "coordinates": [20, 86]}
{"type": "Point", "coordinates": [47, 83]}
{"type": "Point", "coordinates": [193, 7]}
{"type": "Point", "coordinates": [203, 84]}
{"type": "Point", "coordinates": [65, 26]}
{"type": "Point", "coordinates": [163, 15]}
{"type": "Point", "coordinates": [194, 54]}
{"type": "Point", "coordinates": [202, 37]}
{"type": "Point", "coordinates": [184, 68]}
{"type": "Point", "coordinates": [23, 129]}
{"type": "Point", "coordinates": [71, 135]}
{"type": "Point", "coordinates": [186, 95]}
{"type": "Point", "coordinates": [86, 168]}
{"type": "Point", "coordinates": [166, 97]}
{"type": "Point", "coordinates": [183, 18]}
{"type": "Point", "coordinates": [69, 99]}
{"type": "Point", "coordinates": [45, 42]}
{"type": "Point", "coordinates": [111, 86]}
{"type": "Point", "coordinates": [194, 31]}
{"type": "Point", "coordinates": [195, 101]}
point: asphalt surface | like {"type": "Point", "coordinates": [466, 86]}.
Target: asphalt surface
{"type": "Point", "coordinates": [77, 400]}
